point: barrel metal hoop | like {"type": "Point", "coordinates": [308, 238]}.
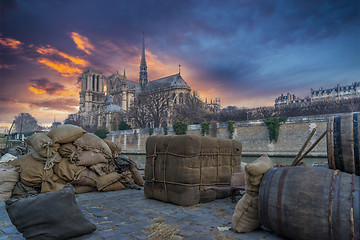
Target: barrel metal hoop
{"type": "Point", "coordinates": [356, 206]}
{"type": "Point", "coordinates": [265, 191]}
{"type": "Point", "coordinates": [279, 198]}
{"type": "Point", "coordinates": [339, 162]}
{"type": "Point", "coordinates": [356, 143]}
{"type": "Point", "coordinates": [334, 206]}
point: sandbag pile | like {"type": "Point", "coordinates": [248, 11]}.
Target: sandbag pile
{"type": "Point", "coordinates": [245, 217]}
{"type": "Point", "coordinates": [9, 176]}
{"type": "Point", "coordinates": [179, 168]}
{"type": "Point", "coordinates": [67, 154]}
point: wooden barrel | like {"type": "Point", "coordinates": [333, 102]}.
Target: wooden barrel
{"type": "Point", "coordinates": [310, 203]}
{"type": "Point", "coordinates": [343, 143]}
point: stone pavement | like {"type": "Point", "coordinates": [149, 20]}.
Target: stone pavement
{"type": "Point", "coordinates": [127, 214]}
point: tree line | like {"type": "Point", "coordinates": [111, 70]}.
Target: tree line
{"type": "Point", "coordinates": [153, 110]}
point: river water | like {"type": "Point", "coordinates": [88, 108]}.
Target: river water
{"type": "Point", "coordinates": [140, 160]}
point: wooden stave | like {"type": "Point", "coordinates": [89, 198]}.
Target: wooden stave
{"type": "Point", "coordinates": [339, 195]}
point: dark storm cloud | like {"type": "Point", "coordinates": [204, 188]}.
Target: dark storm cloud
{"type": "Point", "coordinates": [44, 84]}
{"type": "Point", "coordinates": [246, 47]}
{"type": "Point", "coordinates": [57, 104]}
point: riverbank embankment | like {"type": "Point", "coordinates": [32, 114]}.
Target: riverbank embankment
{"type": "Point", "coordinates": [254, 136]}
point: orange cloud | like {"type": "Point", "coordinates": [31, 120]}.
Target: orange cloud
{"type": "Point", "coordinates": [9, 42]}
{"type": "Point", "coordinates": [82, 42]}
{"type": "Point", "coordinates": [64, 69]}
{"type": "Point", "coordinates": [51, 50]}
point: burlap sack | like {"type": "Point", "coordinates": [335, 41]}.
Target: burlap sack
{"type": "Point", "coordinates": [89, 158]}
{"type": "Point", "coordinates": [138, 179]}
{"type": "Point", "coordinates": [49, 216]}
{"type": "Point", "coordinates": [9, 176]}
{"type": "Point", "coordinates": [42, 144]}
{"type": "Point", "coordinates": [49, 162]}
{"type": "Point", "coordinates": [84, 189]}
{"type": "Point", "coordinates": [86, 178]}
{"type": "Point", "coordinates": [32, 174]}
{"type": "Point", "coordinates": [245, 217]}
{"type": "Point", "coordinates": [100, 169]}
{"type": "Point", "coordinates": [114, 147]}
{"type": "Point", "coordinates": [67, 171]}
{"type": "Point", "coordinates": [69, 151]}
{"type": "Point", "coordinates": [66, 133]}
{"type": "Point", "coordinates": [107, 180]}
{"type": "Point", "coordinates": [113, 187]}
{"type": "Point", "coordinates": [91, 142]}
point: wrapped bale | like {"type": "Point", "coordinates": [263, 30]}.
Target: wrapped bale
{"type": "Point", "coordinates": [9, 176]}
{"type": "Point", "coordinates": [38, 217]}
{"type": "Point", "coordinates": [66, 133]}
{"type": "Point", "coordinates": [310, 203]}
{"type": "Point", "coordinates": [114, 147]}
{"type": "Point", "coordinates": [91, 142]}
{"type": "Point", "coordinates": [245, 217]}
{"type": "Point", "coordinates": [178, 168]}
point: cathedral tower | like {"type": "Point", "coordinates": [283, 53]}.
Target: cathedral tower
{"type": "Point", "coordinates": [143, 80]}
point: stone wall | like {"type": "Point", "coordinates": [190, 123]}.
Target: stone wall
{"type": "Point", "coordinates": [253, 135]}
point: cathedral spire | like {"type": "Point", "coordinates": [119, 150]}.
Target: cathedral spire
{"type": "Point", "coordinates": [143, 68]}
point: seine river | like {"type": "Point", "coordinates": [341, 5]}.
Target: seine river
{"type": "Point", "coordinates": [140, 160]}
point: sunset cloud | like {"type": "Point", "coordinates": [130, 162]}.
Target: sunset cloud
{"type": "Point", "coordinates": [48, 50]}
{"type": "Point", "coordinates": [10, 42]}
{"type": "Point", "coordinates": [82, 42]}
{"type": "Point", "coordinates": [65, 69]}
{"type": "Point", "coordinates": [7, 66]}
{"type": "Point", "coordinates": [45, 86]}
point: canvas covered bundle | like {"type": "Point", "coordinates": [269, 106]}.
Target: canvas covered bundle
{"type": "Point", "coordinates": [179, 168]}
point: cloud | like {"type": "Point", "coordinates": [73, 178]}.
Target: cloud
{"type": "Point", "coordinates": [44, 86]}
{"type": "Point", "coordinates": [52, 51]}
{"type": "Point", "coordinates": [58, 104]}
{"type": "Point", "coordinates": [65, 69]}
{"type": "Point", "coordinates": [82, 42]}
{"type": "Point", "coordinates": [10, 42]}
{"type": "Point", "coordinates": [7, 66]}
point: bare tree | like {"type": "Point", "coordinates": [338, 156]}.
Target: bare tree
{"type": "Point", "coordinates": [158, 106]}
{"type": "Point", "coordinates": [24, 122]}
{"type": "Point", "coordinates": [73, 119]}
{"type": "Point", "coordinates": [139, 113]}
{"type": "Point", "coordinates": [191, 110]}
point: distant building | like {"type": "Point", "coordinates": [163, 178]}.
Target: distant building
{"type": "Point", "coordinates": [97, 108]}
{"type": "Point", "coordinates": [336, 93]}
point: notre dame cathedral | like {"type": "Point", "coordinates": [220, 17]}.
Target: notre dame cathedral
{"type": "Point", "coordinates": [98, 109]}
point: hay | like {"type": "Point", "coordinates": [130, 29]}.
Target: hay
{"type": "Point", "coordinates": [161, 230]}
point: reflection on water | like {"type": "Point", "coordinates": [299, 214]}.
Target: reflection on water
{"type": "Point", "coordinates": [140, 159]}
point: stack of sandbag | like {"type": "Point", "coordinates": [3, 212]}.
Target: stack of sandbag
{"type": "Point", "coordinates": [245, 217]}
{"type": "Point", "coordinates": [179, 168]}
{"type": "Point", "coordinates": [67, 154]}
{"type": "Point", "coordinates": [9, 176]}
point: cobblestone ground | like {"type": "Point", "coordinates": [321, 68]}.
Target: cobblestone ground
{"type": "Point", "coordinates": [127, 214]}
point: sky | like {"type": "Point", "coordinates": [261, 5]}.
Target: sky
{"type": "Point", "coordinates": [245, 52]}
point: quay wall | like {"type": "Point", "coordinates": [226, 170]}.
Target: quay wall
{"type": "Point", "coordinates": [253, 135]}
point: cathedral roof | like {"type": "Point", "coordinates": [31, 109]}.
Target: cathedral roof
{"type": "Point", "coordinates": [167, 82]}
{"type": "Point", "coordinates": [113, 108]}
